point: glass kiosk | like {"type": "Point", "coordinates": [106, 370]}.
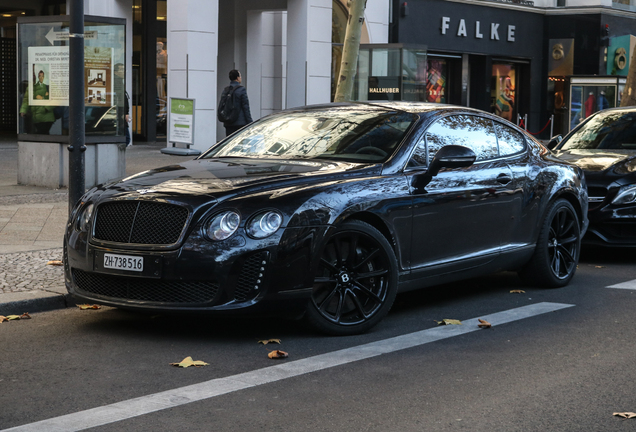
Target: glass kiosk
{"type": "Point", "coordinates": [43, 99]}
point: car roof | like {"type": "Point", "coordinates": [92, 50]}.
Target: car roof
{"type": "Point", "coordinates": [410, 107]}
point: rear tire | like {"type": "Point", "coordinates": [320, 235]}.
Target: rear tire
{"type": "Point", "coordinates": [356, 281]}
{"type": "Point", "coordinates": [556, 254]}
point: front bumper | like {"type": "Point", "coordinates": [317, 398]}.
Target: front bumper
{"type": "Point", "coordinates": [612, 225]}
{"type": "Point", "coordinates": [237, 275]}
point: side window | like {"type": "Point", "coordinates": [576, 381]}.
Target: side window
{"type": "Point", "coordinates": [510, 141]}
{"type": "Point", "coordinates": [476, 133]}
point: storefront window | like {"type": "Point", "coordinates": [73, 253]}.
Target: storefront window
{"type": "Point", "coordinates": [503, 90]}
{"type": "Point", "coordinates": [43, 73]}
{"type": "Point", "coordinates": [591, 94]}
{"type": "Point", "coordinates": [390, 72]}
{"type": "Point", "coordinates": [162, 72]}
{"type": "Point", "coordinates": [436, 80]}
{"type": "Point", "coordinates": [586, 100]}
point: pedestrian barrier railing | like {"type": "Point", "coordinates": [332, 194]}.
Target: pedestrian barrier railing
{"type": "Point", "coordinates": [522, 122]}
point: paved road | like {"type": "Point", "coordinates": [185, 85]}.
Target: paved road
{"type": "Point", "coordinates": [565, 370]}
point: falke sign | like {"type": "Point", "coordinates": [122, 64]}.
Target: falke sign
{"type": "Point", "coordinates": [478, 31]}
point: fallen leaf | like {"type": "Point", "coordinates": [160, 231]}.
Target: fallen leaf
{"type": "Point", "coordinates": [449, 322]}
{"type": "Point", "coordinates": [484, 324]}
{"type": "Point", "coordinates": [517, 291]}
{"type": "Point", "coordinates": [627, 415]}
{"type": "Point", "coordinates": [55, 263]}
{"type": "Point", "coordinates": [266, 341]}
{"type": "Point", "coordinates": [277, 354]}
{"type": "Point", "coordinates": [599, 266]}
{"type": "Point", "coordinates": [87, 306]}
{"type": "Point", "coordinates": [187, 362]}
{"type": "Point", "coordinates": [14, 317]}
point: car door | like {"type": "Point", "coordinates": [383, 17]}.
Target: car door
{"type": "Point", "coordinates": [458, 216]}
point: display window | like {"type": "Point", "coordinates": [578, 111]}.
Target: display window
{"type": "Point", "coordinates": [503, 90]}
{"type": "Point", "coordinates": [43, 74]}
{"type": "Point", "coordinates": [436, 80]}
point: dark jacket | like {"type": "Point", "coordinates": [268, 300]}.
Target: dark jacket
{"type": "Point", "coordinates": [240, 97]}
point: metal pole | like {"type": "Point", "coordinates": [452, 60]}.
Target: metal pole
{"type": "Point", "coordinates": [525, 122]}
{"type": "Point", "coordinates": [76, 163]}
{"type": "Point", "coordinates": [551, 126]}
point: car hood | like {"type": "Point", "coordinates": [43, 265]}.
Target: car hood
{"type": "Point", "coordinates": [204, 179]}
{"type": "Point", "coordinates": [595, 161]}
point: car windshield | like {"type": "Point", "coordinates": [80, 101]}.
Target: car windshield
{"type": "Point", "coordinates": [353, 134]}
{"type": "Point", "coordinates": [614, 130]}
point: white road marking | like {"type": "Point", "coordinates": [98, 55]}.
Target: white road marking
{"type": "Point", "coordinates": [172, 398]}
{"type": "Point", "coordinates": [625, 285]}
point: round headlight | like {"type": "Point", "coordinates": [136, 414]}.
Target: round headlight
{"type": "Point", "coordinates": [626, 195]}
{"type": "Point", "coordinates": [264, 224]}
{"type": "Point", "coordinates": [85, 217]}
{"type": "Point", "coordinates": [223, 225]}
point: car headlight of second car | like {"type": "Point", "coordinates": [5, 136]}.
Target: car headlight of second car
{"type": "Point", "coordinates": [264, 224]}
{"type": "Point", "coordinates": [222, 225]}
{"type": "Point", "coordinates": [626, 195]}
{"type": "Point", "coordinates": [85, 217]}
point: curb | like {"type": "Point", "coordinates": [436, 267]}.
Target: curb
{"type": "Point", "coordinates": [33, 301]}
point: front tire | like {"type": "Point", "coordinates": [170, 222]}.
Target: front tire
{"type": "Point", "coordinates": [558, 247]}
{"type": "Point", "coordinates": [356, 281]}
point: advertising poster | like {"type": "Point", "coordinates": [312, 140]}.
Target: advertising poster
{"type": "Point", "coordinates": [98, 76]}
{"type": "Point", "coordinates": [48, 68]}
{"type": "Point", "coordinates": [436, 81]}
{"type": "Point", "coordinates": [181, 121]}
{"type": "Point", "coordinates": [503, 90]}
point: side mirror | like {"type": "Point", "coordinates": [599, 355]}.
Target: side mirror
{"type": "Point", "coordinates": [452, 156]}
{"type": "Point", "coordinates": [554, 141]}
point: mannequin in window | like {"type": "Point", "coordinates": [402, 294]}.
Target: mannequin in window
{"type": "Point", "coordinates": [590, 105]}
{"type": "Point", "coordinates": [162, 64]}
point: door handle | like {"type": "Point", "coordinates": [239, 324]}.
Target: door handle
{"type": "Point", "coordinates": [504, 179]}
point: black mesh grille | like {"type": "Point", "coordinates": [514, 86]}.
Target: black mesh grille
{"type": "Point", "coordinates": [159, 291]}
{"type": "Point", "coordinates": [140, 222]}
{"type": "Point", "coordinates": [251, 273]}
{"type": "Point", "coordinates": [619, 230]}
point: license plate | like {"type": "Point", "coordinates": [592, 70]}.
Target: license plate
{"type": "Point", "coordinates": [123, 262]}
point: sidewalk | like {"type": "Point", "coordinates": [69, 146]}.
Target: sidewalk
{"type": "Point", "coordinates": [32, 221]}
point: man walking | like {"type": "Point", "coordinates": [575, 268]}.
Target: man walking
{"type": "Point", "coordinates": [240, 102]}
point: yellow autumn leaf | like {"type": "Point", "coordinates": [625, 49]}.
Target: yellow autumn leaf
{"type": "Point", "coordinates": [449, 322]}
{"type": "Point", "coordinates": [517, 291]}
{"type": "Point", "coordinates": [266, 341]}
{"type": "Point", "coordinates": [55, 263]}
{"type": "Point", "coordinates": [599, 266]}
{"type": "Point", "coordinates": [484, 323]}
{"type": "Point", "coordinates": [12, 317]}
{"type": "Point", "coordinates": [87, 306]}
{"type": "Point", "coordinates": [187, 362]}
{"type": "Point", "coordinates": [277, 354]}
{"type": "Point", "coordinates": [627, 415]}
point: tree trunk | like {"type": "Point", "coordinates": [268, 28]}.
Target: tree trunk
{"type": "Point", "coordinates": [350, 50]}
{"type": "Point", "coordinates": [629, 94]}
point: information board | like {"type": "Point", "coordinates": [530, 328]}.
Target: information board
{"type": "Point", "coordinates": [181, 121]}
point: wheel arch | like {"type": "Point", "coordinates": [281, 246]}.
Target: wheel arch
{"type": "Point", "coordinates": [378, 223]}
{"type": "Point", "coordinates": [570, 196]}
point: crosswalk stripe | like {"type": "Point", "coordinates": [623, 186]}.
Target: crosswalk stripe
{"type": "Point", "coordinates": [172, 398]}
{"type": "Point", "coordinates": [625, 285]}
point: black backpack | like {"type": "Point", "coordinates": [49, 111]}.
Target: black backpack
{"type": "Point", "coordinates": [228, 110]}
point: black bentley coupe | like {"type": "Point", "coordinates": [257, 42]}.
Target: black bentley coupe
{"type": "Point", "coordinates": [328, 212]}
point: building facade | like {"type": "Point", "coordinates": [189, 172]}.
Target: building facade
{"type": "Point", "coordinates": [516, 58]}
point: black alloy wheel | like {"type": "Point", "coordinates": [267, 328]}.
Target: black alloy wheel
{"type": "Point", "coordinates": [356, 281]}
{"type": "Point", "coordinates": [558, 247]}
